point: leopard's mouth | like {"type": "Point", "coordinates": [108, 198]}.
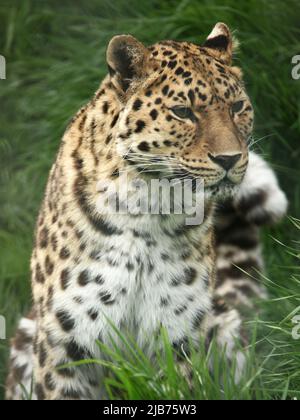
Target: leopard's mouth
{"type": "Point", "coordinates": [224, 187]}
{"type": "Point", "coordinates": [158, 168]}
{"type": "Point", "coordinates": [183, 174]}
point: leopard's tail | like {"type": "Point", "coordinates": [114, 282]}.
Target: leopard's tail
{"type": "Point", "coordinates": [260, 201]}
{"type": "Point", "coordinates": [20, 377]}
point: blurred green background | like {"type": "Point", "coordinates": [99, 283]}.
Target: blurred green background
{"type": "Point", "coordinates": [55, 52]}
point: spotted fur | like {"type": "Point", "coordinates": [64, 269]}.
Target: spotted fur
{"type": "Point", "coordinates": [170, 110]}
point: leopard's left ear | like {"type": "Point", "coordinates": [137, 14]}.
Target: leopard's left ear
{"type": "Point", "coordinates": [220, 43]}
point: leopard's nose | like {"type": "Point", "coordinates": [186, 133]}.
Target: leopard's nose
{"type": "Point", "coordinates": [226, 162]}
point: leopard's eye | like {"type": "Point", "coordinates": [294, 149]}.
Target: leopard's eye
{"type": "Point", "coordinates": [237, 107]}
{"type": "Point", "coordinates": [183, 112]}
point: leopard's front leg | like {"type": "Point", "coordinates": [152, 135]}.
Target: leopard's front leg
{"type": "Point", "coordinates": [55, 378]}
{"type": "Point", "coordinates": [224, 325]}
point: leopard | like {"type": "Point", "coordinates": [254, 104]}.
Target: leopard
{"type": "Point", "coordinates": [174, 110]}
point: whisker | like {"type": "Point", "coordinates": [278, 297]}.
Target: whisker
{"type": "Point", "coordinates": [254, 141]}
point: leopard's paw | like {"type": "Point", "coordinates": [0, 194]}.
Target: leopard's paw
{"type": "Point", "coordinates": [260, 199]}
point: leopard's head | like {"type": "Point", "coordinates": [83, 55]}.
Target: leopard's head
{"type": "Point", "coordinates": [185, 111]}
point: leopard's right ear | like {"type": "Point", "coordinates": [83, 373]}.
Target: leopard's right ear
{"type": "Point", "coordinates": [126, 60]}
{"type": "Point", "coordinates": [220, 43]}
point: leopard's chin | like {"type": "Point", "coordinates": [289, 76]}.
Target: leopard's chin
{"type": "Point", "coordinates": [223, 190]}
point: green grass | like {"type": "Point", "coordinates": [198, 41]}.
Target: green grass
{"type": "Point", "coordinates": [55, 54]}
{"type": "Point", "coordinates": [132, 376]}
{"type": "Point", "coordinates": [272, 361]}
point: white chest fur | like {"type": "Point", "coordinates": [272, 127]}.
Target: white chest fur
{"type": "Point", "coordinates": [140, 280]}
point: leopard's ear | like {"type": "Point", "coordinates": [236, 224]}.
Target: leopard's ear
{"type": "Point", "coordinates": [127, 60]}
{"type": "Point", "coordinates": [220, 43]}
